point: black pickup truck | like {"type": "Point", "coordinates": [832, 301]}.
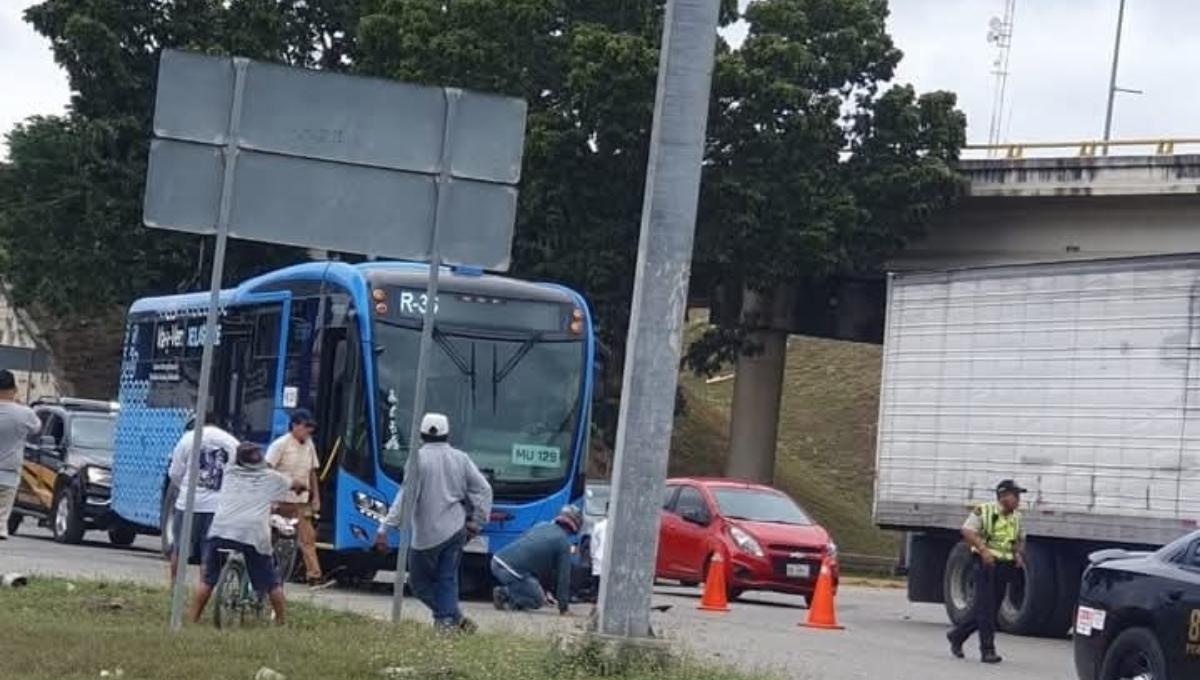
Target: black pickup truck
{"type": "Point", "coordinates": [66, 479]}
{"type": "Point", "coordinates": [1138, 616]}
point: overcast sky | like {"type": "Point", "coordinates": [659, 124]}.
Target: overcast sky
{"type": "Point", "coordinates": [1057, 89]}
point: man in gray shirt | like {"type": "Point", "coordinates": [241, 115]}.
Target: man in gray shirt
{"type": "Point", "coordinates": [17, 422]}
{"type": "Point", "coordinates": [453, 503]}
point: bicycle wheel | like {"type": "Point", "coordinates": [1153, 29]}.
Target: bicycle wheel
{"type": "Point", "coordinates": [230, 607]}
{"type": "Point", "coordinates": [285, 560]}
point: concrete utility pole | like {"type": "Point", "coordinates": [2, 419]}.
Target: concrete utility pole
{"type": "Point", "coordinates": [656, 319]}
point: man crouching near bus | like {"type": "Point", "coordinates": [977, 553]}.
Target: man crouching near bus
{"type": "Point", "coordinates": [453, 502]}
{"type": "Point", "coordinates": [242, 522]}
{"type": "Point", "coordinates": [543, 552]}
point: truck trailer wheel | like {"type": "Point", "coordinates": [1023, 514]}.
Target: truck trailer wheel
{"type": "Point", "coordinates": [1033, 595]}
{"type": "Point", "coordinates": [926, 567]}
{"type": "Point", "coordinates": [1062, 618]}
{"type": "Point", "coordinates": [958, 586]}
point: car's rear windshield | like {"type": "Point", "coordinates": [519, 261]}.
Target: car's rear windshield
{"type": "Point", "coordinates": [755, 505]}
{"type": "Point", "coordinates": [596, 500]}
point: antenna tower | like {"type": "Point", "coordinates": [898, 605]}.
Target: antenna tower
{"type": "Point", "coordinates": [1000, 30]}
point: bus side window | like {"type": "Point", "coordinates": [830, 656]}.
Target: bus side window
{"type": "Point", "coordinates": [258, 390]}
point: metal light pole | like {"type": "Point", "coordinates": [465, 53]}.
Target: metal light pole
{"type": "Point", "coordinates": [1112, 79]}
{"type": "Point", "coordinates": [656, 319]}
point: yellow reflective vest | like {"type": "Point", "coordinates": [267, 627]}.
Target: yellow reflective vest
{"type": "Point", "coordinates": [999, 532]}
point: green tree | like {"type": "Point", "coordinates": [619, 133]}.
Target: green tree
{"type": "Point", "coordinates": [814, 172]}
{"type": "Point", "coordinates": [71, 194]}
{"type": "Point", "coordinates": [587, 70]}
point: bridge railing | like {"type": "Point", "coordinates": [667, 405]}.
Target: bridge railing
{"type": "Point", "coordinates": [1083, 149]}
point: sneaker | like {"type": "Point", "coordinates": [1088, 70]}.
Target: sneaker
{"type": "Point", "coordinates": [320, 583]}
{"type": "Point", "coordinates": [467, 626]}
{"type": "Point", "coordinates": [499, 598]}
{"type": "Point", "coordinates": [991, 657]}
{"type": "Point", "coordinates": [956, 648]}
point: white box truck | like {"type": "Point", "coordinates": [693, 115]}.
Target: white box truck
{"type": "Point", "coordinates": [1080, 380]}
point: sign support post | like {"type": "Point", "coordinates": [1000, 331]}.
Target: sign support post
{"type": "Point", "coordinates": [230, 152]}
{"type": "Point", "coordinates": [412, 470]}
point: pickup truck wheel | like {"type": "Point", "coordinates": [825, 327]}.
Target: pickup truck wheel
{"type": "Point", "coordinates": [1134, 654]}
{"type": "Point", "coordinates": [958, 584]}
{"type": "Point", "coordinates": [14, 523]}
{"type": "Point", "coordinates": [67, 525]}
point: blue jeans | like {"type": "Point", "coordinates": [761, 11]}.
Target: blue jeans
{"type": "Point", "coordinates": [433, 575]}
{"type": "Point", "coordinates": [522, 592]}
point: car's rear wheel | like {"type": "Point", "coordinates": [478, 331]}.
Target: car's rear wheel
{"type": "Point", "coordinates": [66, 525]}
{"type": "Point", "coordinates": [1134, 655]}
{"type": "Point", "coordinates": [14, 523]}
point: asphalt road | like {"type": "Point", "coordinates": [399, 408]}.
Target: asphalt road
{"type": "Point", "coordinates": [885, 636]}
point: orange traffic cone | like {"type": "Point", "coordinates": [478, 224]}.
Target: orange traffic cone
{"type": "Point", "coordinates": [820, 609]}
{"type": "Point", "coordinates": [714, 598]}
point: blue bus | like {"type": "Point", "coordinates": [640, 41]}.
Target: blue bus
{"type": "Point", "coordinates": [512, 365]}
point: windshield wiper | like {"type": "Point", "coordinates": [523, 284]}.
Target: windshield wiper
{"type": "Point", "coordinates": [499, 376]}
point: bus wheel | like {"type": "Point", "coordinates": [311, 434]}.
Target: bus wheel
{"type": "Point", "coordinates": [166, 525]}
{"type": "Point", "coordinates": [122, 535]}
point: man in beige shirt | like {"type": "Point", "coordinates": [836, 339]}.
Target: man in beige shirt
{"type": "Point", "coordinates": [295, 456]}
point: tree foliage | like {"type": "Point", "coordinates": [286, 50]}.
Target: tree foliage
{"type": "Point", "coordinates": [813, 171]}
{"type": "Point", "coordinates": [71, 193]}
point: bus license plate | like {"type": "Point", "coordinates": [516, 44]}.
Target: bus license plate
{"type": "Point", "coordinates": [536, 456]}
{"type": "Point", "coordinates": [797, 571]}
{"type": "Point", "coordinates": [479, 545]}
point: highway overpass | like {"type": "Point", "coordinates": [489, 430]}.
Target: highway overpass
{"type": "Point", "coordinates": [1022, 210]}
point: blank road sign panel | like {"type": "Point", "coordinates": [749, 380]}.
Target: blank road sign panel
{"type": "Point", "coordinates": [333, 161]}
{"type": "Point", "coordinates": [340, 118]}
{"type": "Point", "coordinates": [183, 186]}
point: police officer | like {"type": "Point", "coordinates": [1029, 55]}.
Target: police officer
{"type": "Point", "coordinates": [993, 530]}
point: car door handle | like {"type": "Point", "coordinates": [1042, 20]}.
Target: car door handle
{"type": "Point", "coordinates": [1174, 595]}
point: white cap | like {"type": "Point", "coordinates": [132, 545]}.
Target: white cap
{"type": "Point", "coordinates": [435, 425]}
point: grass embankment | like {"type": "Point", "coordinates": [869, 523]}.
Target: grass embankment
{"type": "Point", "coordinates": [52, 631]}
{"type": "Point", "coordinates": [825, 457]}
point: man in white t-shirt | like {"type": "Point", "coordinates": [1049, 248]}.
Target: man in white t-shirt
{"type": "Point", "coordinates": [242, 523]}
{"type": "Point", "coordinates": [216, 453]}
{"type": "Point", "coordinates": [295, 456]}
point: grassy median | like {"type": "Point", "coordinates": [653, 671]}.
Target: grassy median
{"type": "Point", "coordinates": [53, 630]}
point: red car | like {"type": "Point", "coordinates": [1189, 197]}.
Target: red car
{"type": "Point", "coordinates": [766, 541]}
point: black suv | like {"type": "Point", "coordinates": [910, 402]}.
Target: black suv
{"type": "Point", "coordinates": [66, 480]}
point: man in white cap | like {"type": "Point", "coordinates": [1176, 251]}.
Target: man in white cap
{"type": "Point", "coordinates": [453, 503]}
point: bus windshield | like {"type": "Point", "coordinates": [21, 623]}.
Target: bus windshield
{"type": "Point", "coordinates": [513, 403]}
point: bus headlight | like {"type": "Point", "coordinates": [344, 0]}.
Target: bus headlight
{"type": "Point", "coordinates": [373, 508]}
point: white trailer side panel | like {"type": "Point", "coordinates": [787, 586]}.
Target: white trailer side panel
{"type": "Point", "coordinates": [1079, 380]}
